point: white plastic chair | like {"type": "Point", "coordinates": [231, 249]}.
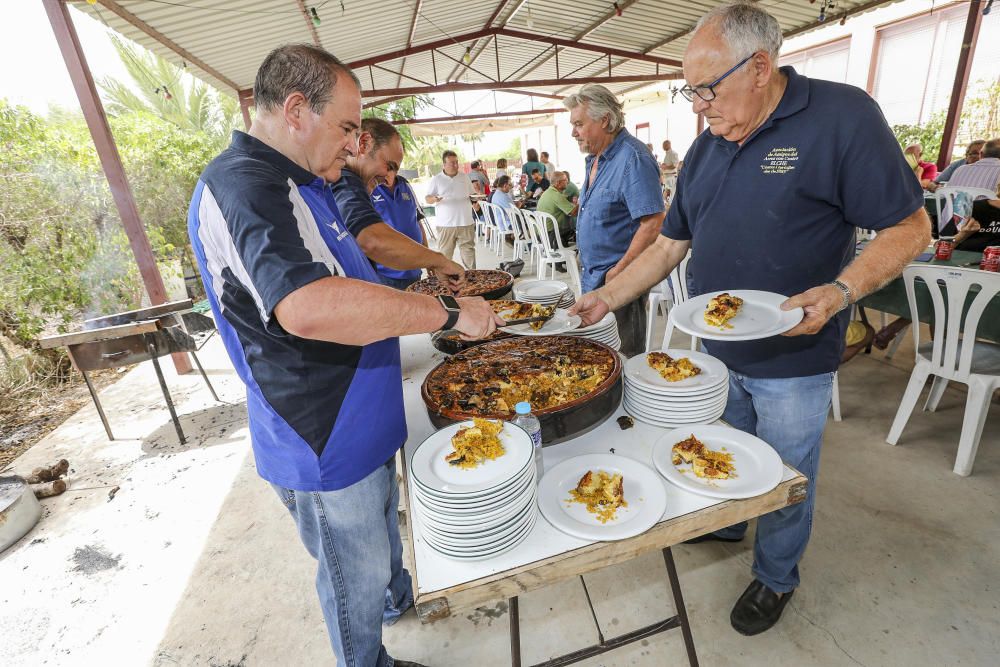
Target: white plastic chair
{"type": "Point", "coordinates": [947, 194]}
{"type": "Point", "coordinates": [678, 294]}
{"type": "Point", "coordinates": [494, 216]}
{"type": "Point", "coordinates": [522, 236]}
{"type": "Point", "coordinates": [550, 254]}
{"type": "Point", "coordinates": [954, 354]}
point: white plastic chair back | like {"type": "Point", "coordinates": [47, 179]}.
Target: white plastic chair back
{"type": "Point", "coordinates": [522, 236]}
{"type": "Point", "coordinates": [679, 294]}
{"type": "Point", "coordinates": [949, 288]}
{"type": "Point", "coordinates": [944, 198]}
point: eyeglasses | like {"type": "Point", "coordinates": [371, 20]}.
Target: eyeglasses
{"type": "Point", "coordinates": [707, 93]}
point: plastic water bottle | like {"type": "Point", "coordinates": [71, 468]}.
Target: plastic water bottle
{"type": "Point", "coordinates": [533, 428]}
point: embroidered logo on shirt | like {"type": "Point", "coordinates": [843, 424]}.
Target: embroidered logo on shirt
{"type": "Point", "coordinates": [406, 196]}
{"type": "Point", "coordinates": [335, 227]}
{"type": "Point", "coordinates": [780, 160]}
{"type": "Point", "coordinates": [376, 197]}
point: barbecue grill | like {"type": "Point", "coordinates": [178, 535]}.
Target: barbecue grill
{"type": "Point", "coordinates": [129, 338]}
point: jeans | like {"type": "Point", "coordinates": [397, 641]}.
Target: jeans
{"type": "Point", "coordinates": [789, 414]}
{"type": "Point", "coordinates": [354, 536]}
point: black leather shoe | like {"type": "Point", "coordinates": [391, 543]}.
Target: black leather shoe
{"type": "Point", "coordinates": [406, 663]}
{"type": "Point", "coordinates": [712, 537]}
{"type": "Point", "coordinates": [758, 609]}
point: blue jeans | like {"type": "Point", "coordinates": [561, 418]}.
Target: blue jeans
{"type": "Point", "coordinates": [789, 414]}
{"type": "Point", "coordinates": [354, 536]}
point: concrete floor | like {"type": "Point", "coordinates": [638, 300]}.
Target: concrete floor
{"type": "Point", "coordinates": [195, 562]}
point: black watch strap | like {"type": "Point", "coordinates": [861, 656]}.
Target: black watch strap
{"type": "Point", "coordinates": [451, 307]}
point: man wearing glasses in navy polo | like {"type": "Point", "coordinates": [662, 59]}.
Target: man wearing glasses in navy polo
{"type": "Point", "coordinates": [769, 199]}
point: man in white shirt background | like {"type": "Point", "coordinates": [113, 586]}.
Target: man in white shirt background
{"type": "Point", "coordinates": [449, 192]}
{"type": "Point", "coordinates": [984, 173]}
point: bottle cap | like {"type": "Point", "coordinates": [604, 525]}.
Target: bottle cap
{"type": "Point", "coordinates": [523, 408]}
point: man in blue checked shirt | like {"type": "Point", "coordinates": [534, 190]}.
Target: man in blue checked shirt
{"type": "Point", "coordinates": [621, 204]}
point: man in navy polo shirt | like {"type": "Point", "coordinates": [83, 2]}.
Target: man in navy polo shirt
{"type": "Point", "coordinates": [770, 199]}
{"type": "Point", "coordinates": [387, 233]}
{"type": "Point", "coordinates": [312, 334]}
{"type": "Point", "coordinates": [621, 206]}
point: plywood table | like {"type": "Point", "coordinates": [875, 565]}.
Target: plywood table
{"type": "Point", "coordinates": [443, 586]}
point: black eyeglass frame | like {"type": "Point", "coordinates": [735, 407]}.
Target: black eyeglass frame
{"type": "Point", "coordinates": [688, 92]}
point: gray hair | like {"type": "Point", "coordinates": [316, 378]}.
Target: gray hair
{"type": "Point", "coordinates": [298, 68]}
{"type": "Point", "coordinates": [600, 102]}
{"type": "Point", "coordinates": [745, 28]}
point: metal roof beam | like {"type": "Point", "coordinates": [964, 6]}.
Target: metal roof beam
{"type": "Point", "coordinates": [409, 39]}
{"type": "Point", "coordinates": [309, 23]}
{"type": "Point", "coordinates": [135, 21]}
{"type": "Point", "coordinates": [455, 73]}
{"type": "Point", "coordinates": [623, 5]}
{"type": "Point", "coordinates": [606, 50]}
{"type": "Point", "coordinates": [507, 85]}
{"type": "Point", "coordinates": [478, 116]}
{"type": "Point", "coordinates": [421, 48]}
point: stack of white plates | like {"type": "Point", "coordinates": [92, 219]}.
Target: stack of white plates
{"type": "Point", "coordinates": [568, 299]}
{"type": "Point", "coordinates": [697, 400]}
{"type": "Point", "coordinates": [605, 331]}
{"type": "Point", "coordinates": [545, 292]}
{"type": "Point", "coordinates": [476, 513]}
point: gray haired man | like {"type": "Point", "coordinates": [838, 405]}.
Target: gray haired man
{"type": "Point", "coordinates": [766, 203]}
{"type": "Point", "coordinates": [621, 206]}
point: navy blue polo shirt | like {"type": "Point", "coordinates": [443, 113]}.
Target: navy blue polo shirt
{"type": "Point", "coordinates": [398, 208]}
{"type": "Point", "coordinates": [780, 212]}
{"type": "Point", "coordinates": [322, 415]}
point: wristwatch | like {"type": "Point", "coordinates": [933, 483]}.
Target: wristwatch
{"type": "Point", "coordinates": [846, 291]}
{"type": "Point", "coordinates": [450, 304]}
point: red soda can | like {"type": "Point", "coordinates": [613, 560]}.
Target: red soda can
{"type": "Point", "coordinates": [991, 259]}
{"type": "Point", "coordinates": [944, 247]}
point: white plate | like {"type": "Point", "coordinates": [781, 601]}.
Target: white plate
{"type": "Point", "coordinates": [760, 316]}
{"type": "Point", "coordinates": [644, 493]}
{"type": "Point", "coordinates": [606, 323]}
{"type": "Point", "coordinates": [431, 471]}
{"type": "Point", "coordinates": [470, 524]}
{"type": "Point", "coordinates": [485, 539]}
{"type": "Point", "coordinates": [510, 494]}
{"type": "Point", "coordinates": [672, 421]}
{"type": "Point", "coordinates": [474, 556]}
{"type": "Point", "coordinates": [701, 397]}
{"type": "Point", "coordinates": [758, 466]}
{"type": "Point", "coordinates": [713, 373]}
{"type": "Point", "coordinates": [667, 408]}
{"type": "Point", "coordinates": [561, 322]}
{"type": "Point", "coordinates": [541, 289]}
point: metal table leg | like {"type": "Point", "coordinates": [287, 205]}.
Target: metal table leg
{"type": "Point", "coordinates": [97, 402]}
{"type": "Point", "coordinates": [166, 393]}
{"type": "Point", "coordinates": [675, 588]}
{"type": "Point", "coordinates": [679, 620]}
{"type": "Point", "coordinates": [203, 375]}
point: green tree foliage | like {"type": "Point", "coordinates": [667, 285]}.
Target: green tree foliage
{"type": "Point", "coordinates": [164, 91]}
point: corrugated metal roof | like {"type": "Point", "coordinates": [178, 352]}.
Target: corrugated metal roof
{"type": "Point", "coordinates": [231, 37]}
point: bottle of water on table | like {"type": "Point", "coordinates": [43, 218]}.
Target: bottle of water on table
{"type": "Point", "coordinates": [533, 428]}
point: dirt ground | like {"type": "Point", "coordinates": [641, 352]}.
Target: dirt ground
{"type": "Point", "coordinates": [26, 420]}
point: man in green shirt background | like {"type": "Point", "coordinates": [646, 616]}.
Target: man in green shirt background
{"type": "Point", "coordinates": [554, 202]}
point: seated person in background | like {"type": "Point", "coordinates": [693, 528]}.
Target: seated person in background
{"type": "Point", "coordinates": [501, 197]}
{"type": "Point", "coordinates": [554, 202]}
{"type": "Point", "coordinates": [501, 168]}
{"type": "Point", "coordinates": [537, 185]}
{"type": "Point", "coordinates": [973, 153]}
{"type": "Point", "coordinates": [926, 171]}
{"type": "Point", "coordinates": [984, 173]}
{"type": "Point", "coordinates": [982, 229]}
{"type": "Point", "coordinates": [480, 181]}
{"type": "Point", "coordinates": [859, 335]}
